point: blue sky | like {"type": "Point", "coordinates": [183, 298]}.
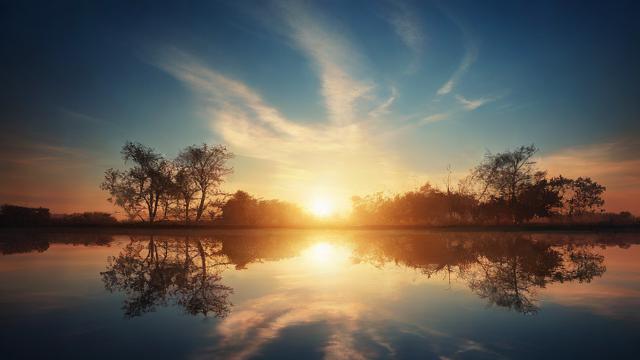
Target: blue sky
{"type": "Point", "coordinates": [328, 98]}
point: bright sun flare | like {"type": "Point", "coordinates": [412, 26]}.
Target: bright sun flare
{"type": "Point", "coordinates": [321, 251]}
{"type": "Point", "coordinates": [321, 207]}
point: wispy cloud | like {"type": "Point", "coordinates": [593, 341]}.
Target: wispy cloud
{"type": "Point", "coordinates": [241, 115]}
{"type": "Point", "coordinates": [434, 118]}
{"type": "Point", "coordinates": [475, 103]}
{"type": "Point", "coordinates": [469, 58]}
{"type": "Point", "coordinates": [20, 151]}
{"type": "Point", "coordinates": [408, 27]}
{"type": "Point", "coordinates": [253, 325]}
{"type": "Point", "coordinates": [337, 154]}
{"type": "Point", "coordinates": [74, 115]}
{"type": "Point", "coordinates": [334, 58]}
{"type": "Point", "coordinates": [384, 108]}
{"type": "Point", "coordinates": [344, 151]}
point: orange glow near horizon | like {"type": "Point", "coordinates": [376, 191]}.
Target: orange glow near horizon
{"type": "Point", "coordinates": [322, 207]}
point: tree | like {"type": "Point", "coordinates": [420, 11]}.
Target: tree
{"type": "Point", "coordinates": [240, 209]}
{"type": "Point", "coordinates": [142, 186]}
{"type": "Point", "coordinates": [537, 200]}
{"type": "Point", "coordinates": [205, 167]}
{"type": "Point", "coordinates": [583, 195]}
{"type": "Point", "coordinates": [185, 191]}
{"type": "Point", "coordinates": [505, 175]}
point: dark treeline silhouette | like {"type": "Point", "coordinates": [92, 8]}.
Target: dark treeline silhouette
{"type": "Point", "coordinates": [244, 209]}
{"type": "Point", "coordinates": [85, 218]}
{"type": "Point", "coordinates": [21, 216]}
{"type": "Point", "coordinates": [505, 188]}
{"type": "Point", "coordinates": [12, 215]}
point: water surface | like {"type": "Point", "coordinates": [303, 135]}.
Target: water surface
{"type": "Point", "coordinates": [319, 294]}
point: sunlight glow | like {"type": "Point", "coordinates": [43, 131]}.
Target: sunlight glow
{"type": "Point", "coordinates": [325, 257]}
{"type": "Point", "coordinates": [321, 207]}
{"type": "Point", "coordinates": [321, 252]}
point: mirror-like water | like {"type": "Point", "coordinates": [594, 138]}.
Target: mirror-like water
{"type": "Point", "coordinates": [319, 294]}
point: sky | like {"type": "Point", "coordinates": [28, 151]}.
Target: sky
{"type": "Point", "coordinates": [325, 99]}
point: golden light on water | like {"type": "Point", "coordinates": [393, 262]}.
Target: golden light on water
{"type": "Point", "coordinates": [326, 255]}
{"type": "Point", "coordinates": [321, 252]}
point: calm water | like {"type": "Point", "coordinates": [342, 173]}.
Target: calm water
{"type": "Point", "coordinates": [319, 294]}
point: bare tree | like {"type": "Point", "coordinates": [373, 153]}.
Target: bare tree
{"type": "Point", "coordinates": [142, 186]}
{"type": "Point", "coordinates": [206, 167]}
{"type": "Point", "coordinates": [504, 175]}
{"type": "Point", "coordinates": [185, 192]}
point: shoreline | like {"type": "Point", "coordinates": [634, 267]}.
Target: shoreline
{"type": "Point", "coordinates": [441, 228]}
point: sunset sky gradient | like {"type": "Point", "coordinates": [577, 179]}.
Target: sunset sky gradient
{"type": "Point", "coordinates": [317, 99]}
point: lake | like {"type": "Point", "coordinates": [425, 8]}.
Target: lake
{"type": "Point", "coordinates": [307, 294]}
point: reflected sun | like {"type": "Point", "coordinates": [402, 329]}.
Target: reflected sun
{"type": "Point", "coordinates": [326, 256]}
{"type": "Point", "coordinates": [321, 251]}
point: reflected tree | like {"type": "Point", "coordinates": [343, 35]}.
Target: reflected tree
{"type": "Point", "coordinates": [507, 273]}
{"type": "Point", "coordinates": [507, 270]}
{"type": "Point", "coordinates": [168, 271]}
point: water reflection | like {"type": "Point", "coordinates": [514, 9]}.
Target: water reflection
{"type": "Point", "coordinates": [506, 269]}
{"type": "Point", "coordinates": [354, 294]}
{"type": "Point", "coordinates": [21, 242]}
{"type": "Point", "coordinates": [154, 271]}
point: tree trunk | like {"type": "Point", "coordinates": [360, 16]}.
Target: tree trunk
{"type": "Point", "coordinates": [200, 206]}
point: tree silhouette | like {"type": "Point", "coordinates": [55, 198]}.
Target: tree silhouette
{"type": "Point", "coordinates": [143, 185]}
{"type": "Point", "coordinates": [204, 168]}
{"type": "Point", "coordinates": [165, 271]}
{"type": "Point", "coordinates": [581, 195]}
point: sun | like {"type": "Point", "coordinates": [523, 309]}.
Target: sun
{"type": "Point", "coordinates": [321, 207]}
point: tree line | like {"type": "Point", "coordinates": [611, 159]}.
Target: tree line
{"type": "Point", "coordinates": [506, 187]}
{"type": "Point", "coordinates": [13, 215]}
{"type": "Point", "coordinates": [188, 189]}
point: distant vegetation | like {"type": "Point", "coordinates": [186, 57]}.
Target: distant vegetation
{"type": "Point", "coordinates": [18, 215]}
{"type": "Point", "coordinates": [504, 188]}
{"type": "Point", "coordinates": [12, 215]}
{"type": "Point", "coordinates": [244, 209]}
